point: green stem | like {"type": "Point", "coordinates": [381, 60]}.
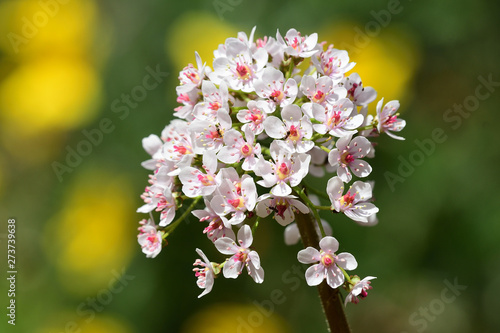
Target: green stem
{"type": "Point", "coordinates": [312, 208]}
{"type": "Point", "coordinates": [366, 128]}
{"type": "Point", "coordinates": [348, 278]}
{"type": "Point", "coordinates": [323, 207]}
{"type": "Point", "coordinates": [169, 229]}
{"type": "Point", "coordinates": [289, 72]}
{"type": "Point", "coordinates": [317, 192]}
{"type": "Point", "coordinates": [325, 149]}
{"type": "Point", "coordinates": [256, 224]}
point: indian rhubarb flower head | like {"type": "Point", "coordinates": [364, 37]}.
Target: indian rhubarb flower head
{"type": "Point", "coordinates": [253, 127]}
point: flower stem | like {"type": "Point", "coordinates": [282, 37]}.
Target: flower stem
{"type": "Point", "coordinates": [312, 208]}
{"type": "Point", "coordinates": [256, 224]}
{"type": "Point", "coordinates": [330, 298]}
{"type": "Point", "coordinates": [170, 228]}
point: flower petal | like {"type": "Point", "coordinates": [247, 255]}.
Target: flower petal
{"type": "Point", "coordinates": [226, 245]}
{"type": "Point", "coordinates": [346, 261]}
{"type": "Point", "coordinates": [329, 244]}
{"type": "Point", "coordinates": [315, 274]}
{"type": "Point", "coordinates": [308, 255]}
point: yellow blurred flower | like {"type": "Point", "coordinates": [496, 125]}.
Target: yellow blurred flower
{"type": "Point", "coordinates": [53, 93]}
{"type": "Point", "coordinates": [236, 318]}
{"type": "Point", "coordinates": [196, 31]}
{"type": "Point", "coordinates": [387, 62]}
{"type": "Point", "coordinates": [92, 236]}
{"type": "Point", "coordinates": [33, 28]}
{"type": "Point", "coordinates": [48, 71]}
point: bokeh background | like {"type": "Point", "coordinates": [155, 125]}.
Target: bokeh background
{"type": "Point", "coordinates": [66, 68]}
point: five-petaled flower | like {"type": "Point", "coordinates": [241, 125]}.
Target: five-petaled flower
{"type": "Point", "coordinates": [329, 264]}
{"type": "Point", "coordinates": [354, 204]}
{"type": "Point", "coordinates": [242, 256]}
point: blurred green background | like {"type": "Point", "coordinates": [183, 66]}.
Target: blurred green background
{"type": "Point", "coordinates": [67, 66]}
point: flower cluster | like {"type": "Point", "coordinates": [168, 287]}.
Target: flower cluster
{"type": "Point", "coordinates": [268, 113]}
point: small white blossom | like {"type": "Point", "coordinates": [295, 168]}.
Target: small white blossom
{"type": "Point", "coordinates": [239, 67]}
{"type": "Point", "coordinates": [347, 156]}
{"type": "Point", "coordinates": [284, 208]}
{"type": "Point", "coordinates": [295, 128]}
{"type": "Point", "coordinates": [287, 170]}
{"type": "Point", "coordinates": [333, 63]}
{"type": "Point", "coordinates": [242, 256]}
{"type": "Point", "coordinates": [254, 116]}
{"type": "Point", "coordinates": [359, 95]}
{"type": "Point", "coordinates": [388, 120]}
{"type": "Point", "coordinates": [237, 149]}
{"type": "Point", "coordinates": [296, 45]}
{"type": "Point", "coordinates": [272, 86]}
{"type": "Point", "coordinates": [329, 263]}
{"type": "Point", "coordinates": [216, 227]}
{"type": "Point", "coordinates": [205, 274]}
{"type": "Point", "coordinates": [337, 119]}
{"type": "Point", "coordinates": [354, 204]}
{"type": "Point", "coordinates": [359, 289]}
{"type": "Point", "coordinates": [235, 199]}
{"type": "Point", "coordinates": [149, 238]}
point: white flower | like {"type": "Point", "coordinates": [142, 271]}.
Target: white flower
{"type": "Point", "coordinates": [358, 289]}
{"type": "Point", "coordinates": [329, 263]}
{"type": "Point", "coordinates": [238, 67]}
{"type": "Point", "coordinates": [296, 45]}
{"type": "Point", "coordinates": [287, 170]}
{"type": "Point", "coordinates": [196, 183]}
{"type": "Point", "coordinates": [205, 274]}
{"type": "Point", "coordinates": [152, 145]}
{"type": "Point", "coordinates": [235, 199]}
{"type": "Point", "coordinates": [272, 87]}
{"type": "Point", "coordinates": [321, 90]}
{"type": "Point", "coordinates": [236, 149]}
{"type": "Point", "coordinates": [159, 198]}
{"type": "Point", "coordinates": [294, 128]}
{"type": "Point", "coordinates": [355, 91]}
{"type": "Point", "coordinates": [191, 77]}
{"type": "Point", "coordinates": [188, 99]}
{"type": "Point", "coordinates": [284, 208]}
{"type": "Point", "coordinates": [213, 99]}
{"type": "Point", "coordinates": [149, 238]}
{"type": "Point", "coordinates": [388, 120]}
{"type": "Point", "coordinates": [242, 256]}
{"type": "Point", "coordinates": [333, 63]}
{"type": "Point", "coordinates": [337, 119]}
{"type": "Point", "coordinates": [347, 156]}
{"type": "Point", "coordinates": [208, 134]}
{"type": "Point", "coordinates": [216, 227]}
{"type": "Point", "coordinates": [178, 145]}
{"type": "Point", "coordinates": [354, 203]}
{"type": "Point", "coordinates": [254, 117]}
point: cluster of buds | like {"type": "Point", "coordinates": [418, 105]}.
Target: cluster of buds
{"type": "Point", "coordinates": [248, 132]}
